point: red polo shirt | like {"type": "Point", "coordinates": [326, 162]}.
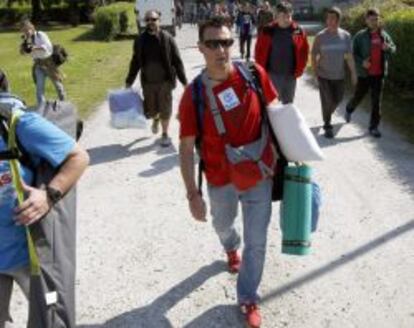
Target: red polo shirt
{"type": "Point", "coordinates": [376, 55]}
{"type": "Point", "coordinates": [242, 122]}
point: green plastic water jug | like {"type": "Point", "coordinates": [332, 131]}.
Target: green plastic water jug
{"type": "Point", "coordinates": [297, 210]}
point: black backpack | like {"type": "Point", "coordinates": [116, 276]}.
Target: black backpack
{"type": "Point", "coordinates": [59, 55]}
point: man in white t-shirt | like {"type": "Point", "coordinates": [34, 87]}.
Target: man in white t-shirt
{"type": "Point", "coordinates": [37, 44]}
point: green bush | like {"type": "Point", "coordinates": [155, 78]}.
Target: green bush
{"type": "Point", "coordinates": [10, 16]}
{"type": "Point", "coordinates": [113, 20]}
{"type": "Point", "coordinates": [106, 24]}
{"type": "Point", "coordinates": [400, 26]}
{"type": "Point", "coordinates": [354, 19]}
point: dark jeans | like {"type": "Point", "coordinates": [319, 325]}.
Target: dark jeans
{"type": "Point", "coordinates": [285, 86]}
{"type": "Point", "coordinates": [243, 40]}
{"type": "Point", "coordinates": [331, 93]}
{"type": "Point", "coordinates": [376, 84]}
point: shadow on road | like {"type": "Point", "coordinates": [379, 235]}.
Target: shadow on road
{"type": "Point", "coordinates": [341, 261]}
{"type": "Point", "coordinates": [154, 314]}
{"type": "Point", "coordinates": [164, 164]}
{"type": "Point", "coordinates": [114, 152]}
{"type": "Point", "coordinates": [161, 166]}
{"type": "Point", "coordinates": [324, 142]}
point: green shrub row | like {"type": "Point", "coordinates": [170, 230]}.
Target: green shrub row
{"type": "Point", "coordinates": [354, 20]}
{"type": "Point", "coordinates": [62, 14]}
{"type": "Point", "coordinates": [400, 26]}
{"type": "Point", "coordinates": [112, 20]}
{"type": "Point", "coordinates": [10, 16]}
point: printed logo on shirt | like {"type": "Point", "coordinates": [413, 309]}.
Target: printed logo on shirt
{"type": "Point", "coordinates": [229, 99]}
{"type": "Point", "coordinates": [376, 41]}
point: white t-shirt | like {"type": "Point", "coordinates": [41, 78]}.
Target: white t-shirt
{"type": "Point", "coordinates": [42, 40]}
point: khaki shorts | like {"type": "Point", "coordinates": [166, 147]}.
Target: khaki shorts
{"type": "Point", "coordinates": [158, 100]}
{"type": "Point", "coordinates": [22, 278]}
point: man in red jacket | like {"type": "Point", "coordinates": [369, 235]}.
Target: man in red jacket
{"type": "Point", "coordinates": [282, 49]}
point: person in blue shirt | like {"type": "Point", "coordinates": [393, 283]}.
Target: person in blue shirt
{"type": "Point", "coordinates": [42, 140]}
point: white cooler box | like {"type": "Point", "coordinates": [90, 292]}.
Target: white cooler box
{"type": "Point", "coordinates": [127, 109]}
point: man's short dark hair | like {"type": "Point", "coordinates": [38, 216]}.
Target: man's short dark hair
{"type": "Point", "coordinates": [213, 22]}
{"type": "Point", "coordinates": [372, 12]}
{"type": "Point", "coordinates": [284, 7]}
{"type": "Point", "coordinates": [4, 83]}
{"type": "Point", "coordinates": [335, 11]}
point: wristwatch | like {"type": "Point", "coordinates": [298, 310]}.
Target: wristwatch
{"type": "Point", "coordinates": [53, 195]}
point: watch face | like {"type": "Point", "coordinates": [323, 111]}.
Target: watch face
{"type": "Point", "coordinates": [54, 195]}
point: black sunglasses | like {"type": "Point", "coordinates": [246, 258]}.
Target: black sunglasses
{"type": "Point", "coordinates": [151, 19]}
{"type": "Point", "coordinates": [215, 44]}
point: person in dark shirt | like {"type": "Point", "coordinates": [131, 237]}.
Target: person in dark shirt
{"type": "Point", "coordinates": [264, 16]}
{"type": "Point", "coordinates": [156, 54]}
{"type": "Point", "coordinates": [372, 48]}
{"type": "Point", "coordinates": [245, 24]}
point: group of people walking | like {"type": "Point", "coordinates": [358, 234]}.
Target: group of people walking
{"type": "Point", "coordinates": [226, 118]}
{"type": "Point", "coordinates": [221, 114]}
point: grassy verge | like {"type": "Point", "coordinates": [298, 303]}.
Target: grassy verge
{"type": "Point", "coordinates": [398, 110]}
{"type": "Point", "coordinates": [93, 67]}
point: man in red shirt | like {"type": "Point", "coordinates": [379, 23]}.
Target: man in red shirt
{"type": "Point", "coordinates": [372, 48]}
{"type": "Point", "coordinates": [282, 49]}
{"type": "Point", "coordinates": [238, 107]}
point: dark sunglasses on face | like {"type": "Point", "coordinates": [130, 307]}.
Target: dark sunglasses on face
{"type": "Point", "coordinates": [215, 44]}
{"type": "Point", "coordinates": [151, 19]}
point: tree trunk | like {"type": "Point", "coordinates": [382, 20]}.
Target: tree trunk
{"type": "Point", "coordinates": [74, 13]}
{"type": "Point", "coordinates": [36, 11]}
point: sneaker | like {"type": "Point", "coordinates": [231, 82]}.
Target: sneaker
{"type": "Point", "coordinates": [348, 116]}
{"type": "Point", "coordinates": [165, 140]}
{"type": "Point", "coordinates": [155, 126]}
{"type": "Point", "coordinates": [329, 133]}
{"type": "Point", "coordinates": [233, 261]}
{"type": "Point", "coordinates": [252, 315]}
{"type": "Point", "coordinates": [375, 133]}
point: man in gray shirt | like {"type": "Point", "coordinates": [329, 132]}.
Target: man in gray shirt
{"type": "Point", "coordinates": [331, 49]}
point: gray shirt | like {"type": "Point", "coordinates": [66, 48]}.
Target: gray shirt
{"type": "Point", "coordinates": [282, 56]}
{"type": "Point", "coordinates": [331, 49]}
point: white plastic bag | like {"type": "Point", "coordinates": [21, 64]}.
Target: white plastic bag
{"type": "Point", "coordinates": [127, 109]}
{"type": "Point", "coordinates": [293, 134]}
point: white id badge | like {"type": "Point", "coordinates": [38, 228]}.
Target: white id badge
{"type": "Point", "coordinates": [51, 298]}
{"type": "Point", "coordinates": [229, 99]}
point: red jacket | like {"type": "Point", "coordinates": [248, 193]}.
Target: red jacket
{"type": "Point", "coordinates": [264, 47]}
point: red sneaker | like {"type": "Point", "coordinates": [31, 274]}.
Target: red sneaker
{"type": "Point", "coordinates": [233, 261]}
{"type": "Point", "coordinates": [252, 315]}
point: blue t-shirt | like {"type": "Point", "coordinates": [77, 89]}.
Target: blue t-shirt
{"type": "Point", "coordinates": [42, 140]}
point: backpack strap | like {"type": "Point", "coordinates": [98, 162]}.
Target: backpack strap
{"type": "Point", "coordinates": [198, 101]}
{"type": "Point", "coordinates": [5, 122]}
{"type": "Point", "coordinates": [218, 120]}
{"type": "Point", "coordinates": [17, 152]}
{"type": "Point", "coordinates": [17, 182]}
{"type": "Point", "coordinates": [246, 71]}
